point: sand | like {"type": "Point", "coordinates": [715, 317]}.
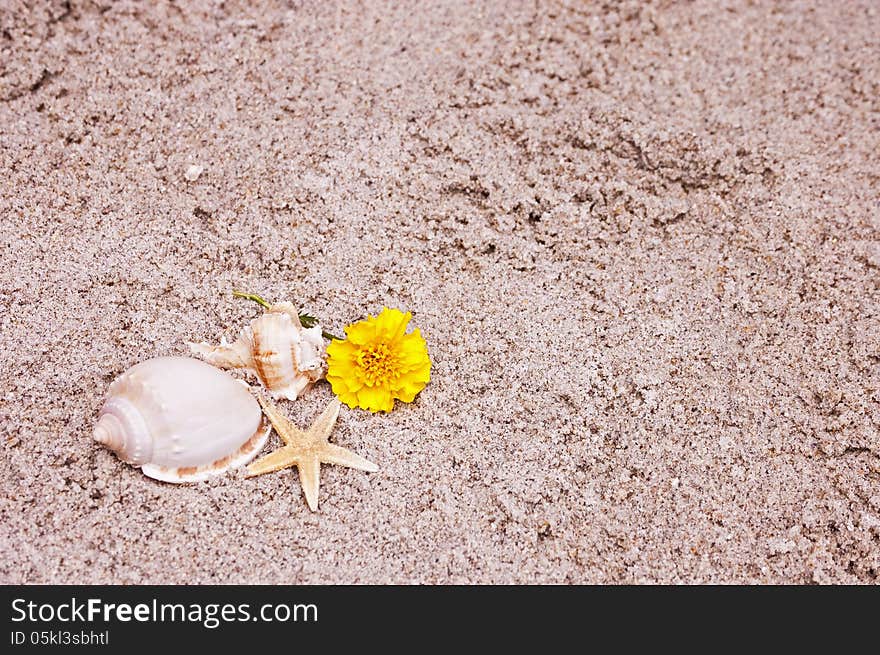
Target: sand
{"type": "Point", "coordinates": [643, 243]}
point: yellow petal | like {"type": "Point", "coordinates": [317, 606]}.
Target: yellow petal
{"type": "Point", "coordinates": [408, 392]}
{"type": "Point", "coordinates": [412, 346]}
{"type": "Point", "coordinates": [349, 399]}
{"type": "Point", "coordinates": [361, 333]}
{"type": "Point", "coordinates": [338, 384]}
{"type": "Point", "coordinates": [391, 324]}
{"type": "Point", "coordinates": [342, 369]}
{"type": "Point", "coordinates": [376, 399]}
{"type": "Point", "coordinates": [342, 350]}
{"type": "Point", "coordinates": [422, 374]}
{"type": "Point", "coordinates": [352, 382]}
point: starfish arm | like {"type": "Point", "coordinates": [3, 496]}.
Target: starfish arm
{"type": "Point", "coordinates": [322, 426]}
{"type": "Point", "coordinates": [333, 454]}
{"type": "Point", "coordinates": [281, 458]}
{"type": "Point", "coordinates": [310, 479]}
{"type": "Point", "coordinates": [283, 427]}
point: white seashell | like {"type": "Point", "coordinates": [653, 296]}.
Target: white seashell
{"type": "Point", "coordinates": [181, 420]}
{"type": "Point", "coordinates": [283, 355]}
{"type": "Point", "coordinates": [193, 172]}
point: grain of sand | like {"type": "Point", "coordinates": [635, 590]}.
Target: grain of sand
{"type": "Point", "coordinates": [642, 240]}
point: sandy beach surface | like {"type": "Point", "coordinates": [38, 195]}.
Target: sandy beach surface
{"type": "Point", "coordinates": [641, 239]}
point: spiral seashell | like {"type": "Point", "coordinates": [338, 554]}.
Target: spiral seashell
{"type": "Point", "coordinates": [283, 355]}
{"type": "Point", "coordinates": [181, 420]}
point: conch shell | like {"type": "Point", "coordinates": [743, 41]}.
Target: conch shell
{"type": "Point", "coordinates": [283, 355]}
{"type": "Point", "coordinates": [181, 420]}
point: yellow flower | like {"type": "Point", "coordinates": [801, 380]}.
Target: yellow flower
{"type": "Point", "coordinates": [378, 362]}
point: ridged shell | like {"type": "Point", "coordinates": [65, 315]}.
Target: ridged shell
{"type": "Point", "coordinates": [283, 355]}
{"type": "Point", "coordinates": [181, 420]}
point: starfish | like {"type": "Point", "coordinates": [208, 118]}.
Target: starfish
{"type": "Point", "coordinates": [307, 450]}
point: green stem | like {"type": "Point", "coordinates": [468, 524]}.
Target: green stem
{"type": "Point", "coordinates": [251, 296]}
{"type": "Point", "coordinates": [306, 320]}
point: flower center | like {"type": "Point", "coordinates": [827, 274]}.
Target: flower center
{"type": "Point", "coordinates": [378, 364]}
